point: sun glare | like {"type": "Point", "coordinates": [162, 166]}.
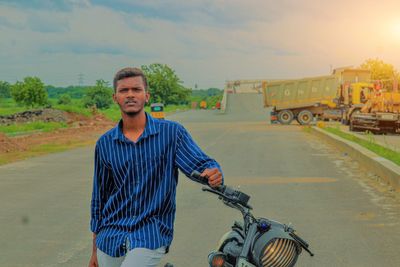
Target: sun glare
{"type": "Point", "coordinates": [396, 30]}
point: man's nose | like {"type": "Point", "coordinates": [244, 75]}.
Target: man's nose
{"type": "Point", "coordinates": [131, 93]}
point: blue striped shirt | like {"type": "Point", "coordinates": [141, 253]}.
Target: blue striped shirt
{"type": "Point", "coordinates": [134, 184]}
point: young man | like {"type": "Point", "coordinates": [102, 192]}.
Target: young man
{"type": "Point", "coordinates": [135, 178]}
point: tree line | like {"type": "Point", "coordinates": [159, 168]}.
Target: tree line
{"type": "Point", "coordinates": [164, 86]}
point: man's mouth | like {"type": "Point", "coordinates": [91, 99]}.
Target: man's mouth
{"type": "Point", "coordinates": [130, 103]}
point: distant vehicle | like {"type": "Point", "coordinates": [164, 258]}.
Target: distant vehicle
{"type": "Point", "coordinates": [203, 105]}
{"type": "Point", "coordinates": [157, 110]}
{"type": "Point", "coordinates": [380, 114]}
{"type": "Point", "coordinates": [333, 96]}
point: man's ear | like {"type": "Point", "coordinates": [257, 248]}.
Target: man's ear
{"type": "Point", "coordinates": [114, 98]}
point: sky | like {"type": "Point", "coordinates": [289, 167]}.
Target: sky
{"type": "Point", "coordinates": [67, 42]}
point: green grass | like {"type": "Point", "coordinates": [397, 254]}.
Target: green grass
{"type": "Point", "coordinates": [22, 128]}
{"type": "Point", "coordinates": [370, 144]}
{"type": "Point", "coordinates": [211, 100]}
{"type": "Point", "coordinates": [113, 113]}
{"type": "Point", "coordinates": [76, 106]}
{"type": "Point", "coordinates": [74, 109]}
{"type": "Point", "coordinates": [174, 108]}
{"type": "Point", "coordinates": [9, 107]}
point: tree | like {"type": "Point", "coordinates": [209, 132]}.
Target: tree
{"type": "Point", "coordinates": [76, 92]}
{"type": "Point", "coordinates": [30, 92]}
{"type": "Point", "coordinates": [164, 85]}
{"type": "Point", "coordinates": [5, 89]}
{"type": "Point", "coordinates": [381, 71]}
{"type": "Point", "coordinates": [99, 95]}
{"type": "Point", "coordinates": [64, 100]}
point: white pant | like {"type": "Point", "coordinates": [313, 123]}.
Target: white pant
{"type": "Point", "coordinates": [138, 257]}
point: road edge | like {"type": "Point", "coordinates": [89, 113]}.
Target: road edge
{"type": "Point", "coordinates": [387, 170]}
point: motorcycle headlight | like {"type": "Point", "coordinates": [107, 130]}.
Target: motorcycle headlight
{"type": "Point", "coordinates": [216, 259]}
{"type": "Point", "coordinates": [275, 248]}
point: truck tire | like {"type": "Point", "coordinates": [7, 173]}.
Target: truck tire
{"type": "Point", "coordinates": [305, 117]}
{"type": "Point", "coordinates": [285, 116]}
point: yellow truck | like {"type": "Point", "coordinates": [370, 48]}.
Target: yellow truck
{"type": "Point", "coordinates": [324, 97]}
{"type": "Point", "coordinates": [203, 104]}
{"type": "Point", "coordinates": [352, 98]}
{"type": "Point", "coordinates": [380, 114]}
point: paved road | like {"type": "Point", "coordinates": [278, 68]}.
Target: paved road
{"type": "Point", "coordinates": [348, 217]}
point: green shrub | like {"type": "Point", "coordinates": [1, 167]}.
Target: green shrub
{"type": "Point", "coordinates": [99, 96]}
{"type": "Point", "coordinates": [30, 92]}
{"type": "Point", "coordinates": [64, 100]}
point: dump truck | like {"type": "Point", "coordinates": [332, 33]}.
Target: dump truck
{"type": "Point", "coordinates": [325, 97]}
{"type": "Point", "coordinates": [380, 114]}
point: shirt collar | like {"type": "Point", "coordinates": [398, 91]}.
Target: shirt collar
{"type": "Point", "coordinates": [152, 127]}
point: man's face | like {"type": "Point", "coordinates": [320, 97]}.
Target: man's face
{"type": "Point", "coordinates": [131, 95]}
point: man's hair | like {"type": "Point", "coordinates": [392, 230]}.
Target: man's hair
{"type": "Point", "coordinates": [129, 72]}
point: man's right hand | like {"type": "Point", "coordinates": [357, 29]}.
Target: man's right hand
{"type": "Point", "coordinates": [93, 260]}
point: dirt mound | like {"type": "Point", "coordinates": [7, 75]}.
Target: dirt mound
{"type": "Point", "coordinates": [79, 120]}
{"type": "Point", "coordinates": [46, 115]}
{"type": "Point", "coordinates": [80, 129]}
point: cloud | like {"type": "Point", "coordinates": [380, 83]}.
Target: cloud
{"type": "Point", "coordinates": [47, 25]}
{"type": "Point", "coordinates": [206, 41]}
{"type": "Point", "coordinates": [80, 49]}
{"type": "Point", "coordinates": [217, 13]}
{"type": "Point", "coordinates": [59, 5]}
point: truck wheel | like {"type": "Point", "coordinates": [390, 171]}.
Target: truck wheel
{"type": "Point", "coordinates": [305, 117]}
{"type": "Point", "coordinates": [285, 116]}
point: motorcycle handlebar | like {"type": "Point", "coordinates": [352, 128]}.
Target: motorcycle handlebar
{"type": "Point", "coordinates": [226, 192]}
{"type": "Point", "coordinates": [196, 176]}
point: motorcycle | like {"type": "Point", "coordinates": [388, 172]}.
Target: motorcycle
{"type": "Point", "coordinates": [257, 242]}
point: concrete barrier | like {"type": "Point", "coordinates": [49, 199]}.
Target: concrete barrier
{"type": "Point", "coordinates": [223, 102]}
{"type": "Point", "coordinates": [386, 169]}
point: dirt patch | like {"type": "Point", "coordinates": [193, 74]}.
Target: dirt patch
{"type": "Point", "coordinates": [81, 130]}
{"type": "Point", "coordinates": [9, 145]}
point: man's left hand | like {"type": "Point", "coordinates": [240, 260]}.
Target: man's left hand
{"type": "Point", "coordinates": [214, 176]}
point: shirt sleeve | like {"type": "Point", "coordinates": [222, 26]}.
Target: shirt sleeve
{"type": "Point", "coordinates": [102, 176]}
{"type": "Point", "coordinates": [189, 156]}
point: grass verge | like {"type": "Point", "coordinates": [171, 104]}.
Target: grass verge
{"type": "Point", "coordinates": [37, 126]}
{"type": "Point", "coordinates": [74, 109]}
{"type": "Point", "coordinates": [9, 107]}
{"type": "Point", "coordinates": [370, 144]}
